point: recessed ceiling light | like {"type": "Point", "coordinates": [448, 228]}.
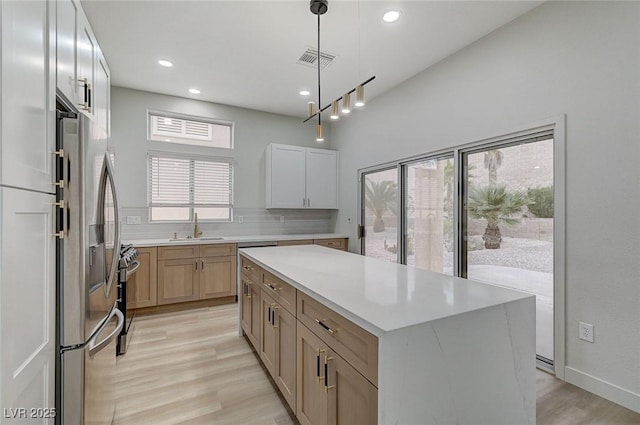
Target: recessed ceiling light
{"type": "Point", "coordinates": [165, 63]}
{"type": "Point", "coordinates": [194, 91]}
{"type": "Point", "coordinates": [304, 93]}
{"type": "Point", "coordinates": [391, 16]}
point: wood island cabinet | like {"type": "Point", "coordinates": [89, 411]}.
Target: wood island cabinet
{"type": "Point", "coordinates": [330, 390]}
{"type": "Point", "coordinates": [142, 286]}
{"type": "Point", "coordinates": [250, 309]}
{"type": "Point", "coordinates": [278, 345]}
{"type": "Point", "coordinates": [324, 366]}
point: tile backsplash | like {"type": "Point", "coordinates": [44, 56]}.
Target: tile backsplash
{"type": "Point", "coordinates": [255, 221]}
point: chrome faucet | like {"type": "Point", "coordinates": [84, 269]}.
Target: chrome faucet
{"type": "Point", "coordinates": [196, 231]}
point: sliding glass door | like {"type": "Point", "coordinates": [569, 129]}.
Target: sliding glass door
{"type": "Point", "coordinates": [483, 212]}
{"type": "Point", "coordinates": [379, 213]}
{"type": "Point", "coordinates": [507, 223]}
{"type": "Point", "coordinates": [428, 199]}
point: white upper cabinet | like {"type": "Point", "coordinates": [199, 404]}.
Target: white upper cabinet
{"type": "Point", "coordinates": [300, 177]}
{"type": "Point", "coordinates": [322, 178]}
{"type": "Point", "coordinates": [102, 93]}
{"type": "Point", "coordinates": [26, 137]}
{"type": "Point", "coordinates": [285, 177]}
{"type": "Point", "coordinates": [67, 28]}
{"type": "Point", "coordinates": [86, 65]}
{"type": "Point", "coordinates": [83, 75]}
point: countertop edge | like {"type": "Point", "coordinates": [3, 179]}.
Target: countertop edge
{"type": "Point", "coordinates": [143, 243]}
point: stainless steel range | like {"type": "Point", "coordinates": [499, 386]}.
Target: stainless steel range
{"type": "Point", "coordinates": [127, 267]}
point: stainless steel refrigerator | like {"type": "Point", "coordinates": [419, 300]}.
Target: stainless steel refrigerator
{"type": "Point", "coordinates": [88, 319]}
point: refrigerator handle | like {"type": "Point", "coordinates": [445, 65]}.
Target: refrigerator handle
{"type": "Point", "coordinates": [94, 347]}
{"type": "Point", "coordinates": [94, 333]}
{"type": "Point", "coordinates": [107, 177]}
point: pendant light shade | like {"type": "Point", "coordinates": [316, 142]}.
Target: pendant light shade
{"type": "Point", "coordinates": [346, 103]}
{"type": "Point", "coordinates": [335, 110]}
{"type": "Point", "coordinates": [319, 133]}
{"type": "Point", "coordinates": [311, 108]}
{"type": "Point", "coordinates": [359, 96]}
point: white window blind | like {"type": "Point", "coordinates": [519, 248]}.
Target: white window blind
{"type": "Point", "coordinates": [180, 186]}
{"type": "Point", "coordinates": [191, 131]}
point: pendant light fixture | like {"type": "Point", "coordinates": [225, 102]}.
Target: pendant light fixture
{"type": "Point", "coordinates": [359, 96]}
{"type": "Point", "coordinates": [335, 110]}
{"type": "Point", "coordinates": [346, 103]}
{"type": "Point", "coordinates": [320, 7]}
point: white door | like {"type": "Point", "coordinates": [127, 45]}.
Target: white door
{"type": "Point", "coordinates": [322, 178]}
{"type": "Point", "coordinates": [26, 146]}
{"type": "Point", "coordinates": [285, 177]}
{"type": "Point", "coordinates": [27, 307]}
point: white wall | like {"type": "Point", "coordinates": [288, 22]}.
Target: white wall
{"type": "Point", "coordinates": [581, 59]}
{"type": "Point", "coordinates": [253, 130]}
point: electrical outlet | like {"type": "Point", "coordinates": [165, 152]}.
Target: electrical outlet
{"type": "Point", "coordinates": [281, 219]}
{"type": "Point", "coordinates": [133, 219]}
{"type": "Point", "coordinates": [240, 219]}
{"type": "Point", "coordinates": [586, 331]}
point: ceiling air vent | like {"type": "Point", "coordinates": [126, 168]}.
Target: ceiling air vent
{"type": "Point", "coordinates": [310, 58]}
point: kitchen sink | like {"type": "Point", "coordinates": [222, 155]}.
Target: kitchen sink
{"type": "Point", "coordinates": [202, 238]}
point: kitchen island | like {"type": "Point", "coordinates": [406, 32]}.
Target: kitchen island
{"type": "Point", "coordinates": [350, 339]}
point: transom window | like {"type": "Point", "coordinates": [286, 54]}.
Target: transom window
{"type": "Point", "coordinates": [164, 127]}
{"type": "Point", "coordinates": [179, 186]}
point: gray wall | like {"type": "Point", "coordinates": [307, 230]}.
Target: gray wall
{"type": "Point", "coordinates": [581, 59]}
{"type": "Point", "coordinates": [253, 132]}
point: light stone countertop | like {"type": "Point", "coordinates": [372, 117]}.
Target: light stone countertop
{"type": "Point", "coordinates": [375, 294]}
{"type": "Point", "coordinates": [232, 239]}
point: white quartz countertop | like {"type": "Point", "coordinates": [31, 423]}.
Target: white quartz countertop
{"type": "Point", "coordinates": [375, 294]}
{"type": "Point", "coordinates": [232, 239]}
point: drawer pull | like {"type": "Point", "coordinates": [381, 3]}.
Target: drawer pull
{"type": "Point", "coordinates": [247, 268]}
{"type": "Point", "coordinates": [321, 323]}
{"type": "Point", "coordinates": [273, 287]}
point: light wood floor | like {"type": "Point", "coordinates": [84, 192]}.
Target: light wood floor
{"type": "Point", "coordinates": [192, 368]}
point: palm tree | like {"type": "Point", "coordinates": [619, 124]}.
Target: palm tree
{"type": "Point", "coordinates": [497, 205]}
{"type": "Point", "coordinates": [380, 197]}
{"type": "Point", "coordinates": [493, 161]}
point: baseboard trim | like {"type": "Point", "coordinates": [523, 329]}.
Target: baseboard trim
{"type": "Point", "coordinates": [604, 389]}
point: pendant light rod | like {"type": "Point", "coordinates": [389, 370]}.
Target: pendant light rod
{"type": "Point", "coordinates": [319, 111]}
{"type": "Point", "coordinates": [319, 92]}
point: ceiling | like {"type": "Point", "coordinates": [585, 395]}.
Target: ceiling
{"type": "Point", "coordinates": [244, 53]}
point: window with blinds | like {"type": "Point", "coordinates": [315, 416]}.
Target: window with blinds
{"type": "Point", "coordinates": [190, 130]}
{"type": "Point", "coordinates": [179, 186]}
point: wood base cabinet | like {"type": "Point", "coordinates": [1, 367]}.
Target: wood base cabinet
{"type": "Point", "coordinates": [142, 286]}
{"type": "Point", "coordinates": [217, 277]}
{"type": "Point", "coordinates": [278, 346]}
{"type": "Point", "coordinates": [251, 309]}
{"type": "Point", "coordinates": [178, 281]}
{"type": "Point", "coordinates": [330, 390]}
{"type": "Point", "coordinates": [192, 272]}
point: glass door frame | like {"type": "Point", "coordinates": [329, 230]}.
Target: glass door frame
{"type": "Point", "coordinates": [362, 173]}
